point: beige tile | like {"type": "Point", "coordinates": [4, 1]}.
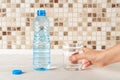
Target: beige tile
{"type": "Point", "coordinates": [76, 20]}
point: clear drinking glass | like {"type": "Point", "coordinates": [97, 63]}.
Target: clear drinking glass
{"type": "Point", "coordinates": [68, 50]}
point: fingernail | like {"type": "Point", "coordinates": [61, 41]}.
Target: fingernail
{"type": "Point", "coordinates": [83, 67]}
{"type": "Point", "coordinates": [83, 61]}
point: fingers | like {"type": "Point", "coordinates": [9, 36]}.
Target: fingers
{"type": "Point", "coordinates": [83, 61]}
{"type": "Point", "coordinates": [77, 57]}
{"type": "Point", "coordinates": [86, 65]}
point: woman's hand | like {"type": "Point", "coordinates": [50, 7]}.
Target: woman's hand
{"type": "Point", "coordinates": [89, 57]}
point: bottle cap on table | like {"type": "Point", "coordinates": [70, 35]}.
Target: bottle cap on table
{"type": "Point", "coordinates": [17, 72]}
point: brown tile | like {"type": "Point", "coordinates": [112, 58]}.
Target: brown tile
{"type": "Point", "coordinates": [47, 5]}
{"type": "Point", "coordinates": [117, 37]}
{"type": "Point", "coordinates": [89, 1]}
{"type": "Point", "coordinates": [27, 24]}
{"type": "Point", "coordinates": [94, 19]}
{"type": "Point", "coordinates": [94, 5]}
{"type": "Point", "coordinates": [103, 47]}
{"type": "Point", "coordinates": [109, 1]}
{"type": "Point", "coordinates": [8, 28]}
{"type": "Point", "coordinates": [85, 5]}
{"type": "Point", "coordinates": [0, 37]}
{"type": "Point", "coordinates": [22, 1]}
{"type": "Point", "coordinates": [32, 5]}
{"type": "Point", "coordinates": [13, 29]}
{"type": "Point", "coordinates": [0, 28]}
{"type": "Point", "coordinates": [65, 33]}
{"type": "Point", "coordinates": [94, 47]}
{"type": "Point", "coordinates": [17, 5]}
{"type": "Point", "coordinates": [9, 46]}
{"type": "Point", "coordinates": [108, 33]}
{"type": "Point", "coordinates": [4, 33]}
{"type": "Point", "coordinates": [8, 1]}
{"type": "Point", "coordinates": [23, 33]}
{"type": "Point", "coordinates": [61, 24]}
{"type": "Point", "coordinates": [55, 24]}
{"type": "Point", "coordinates": [56, 42]}
{"type": "Point", "coordinates": [9, 33]}
{"type": "Point", "coordinates": [18, 28]}
{"type": "Point", "coordinates": [51, 1]}
{"type": "Point", "coordinates": [94, 42]}
{"type": "Point", "coordinates": [3, 10]}
{"type": "Point", "coordinates": [103, 9]}
{"type": "Point", "coordinates": [85, 46]}
{"type": "Point", "coordinates": [94, 15]}
{"type": "Point", "coordinates": [89, 14]}
{"type": "Point", "coordinates": [61, 5]}
{"type": "Point", "coordinates": [89, 24]}
{"type": "Point", "coordinates": [56, 1]}
{"type": "Point", "coordinates": [32, 15]}
{"type": "Point", "coordinates": [103, 14]}
{"type": "Point", "coordinates": [27, 19]}
{"type": "Point", "coordinates": [36, 1]}
{"type": "Point", "coordinates": [113, 5]}
{"type": "Point", "coordinates": [108, 38]}
{"type": "Point", "coordinates": [74, 41]}
{"type": "Point", "coordinates": [75, 1]}
{"type": "Point", "coordinates": [51, 5]}
{"type": "Point", "coordinates": [89, 5]}
{"type": "Point", "coordinates": [41, 5]}
{"type": "Point", "coordinates": [98, 28]}
{"type": "Point", "coordinates": [56, 19]}
{"type": "Point", "coordinates": [75, 28]}
{"type": "Point", "coordinates": [79, 24]}
{"type": "Point", "coordinates": [113, 29]}
{"type": "Point", "coordinates": [99, 19]}
{"type": "Point", "coordinates": [4, 14]}
{"type": "Point", "coordinates": [89, 42]}
{"type": "Point", "coordinates": [51, 33]}
{"type": "Point", "coordinates": [118, 5]}
{"type": "Point", "coordinates": [70, 5]}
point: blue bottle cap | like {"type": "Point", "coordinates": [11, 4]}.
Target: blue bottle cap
{"type": "Point", "coordinates": [17, 72]}
{"type": "Point", "coordinates": [41, 13]}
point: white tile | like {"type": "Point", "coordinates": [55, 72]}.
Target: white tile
{"type": "Point", "coordinates": [65, 5]}
{"type": "Point", "coordinates": [56, 10]}
{"type": "Point", "coordinates": [23, 46]}
{"type": "Point", "coordinates": [18, 42]}
{"type": "Point", "coordinates": [75, 24]}
{"type": "Point", "coordinates": [117, 1]}
{"type": "Point", "coordinates": [70, 1]}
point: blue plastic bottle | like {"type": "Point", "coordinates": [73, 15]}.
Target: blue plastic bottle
{"type": "Point", "coordinates": [41, 42]}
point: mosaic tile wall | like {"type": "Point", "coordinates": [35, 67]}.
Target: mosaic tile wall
{"type": "Point", "coordinates": [95, 23]}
